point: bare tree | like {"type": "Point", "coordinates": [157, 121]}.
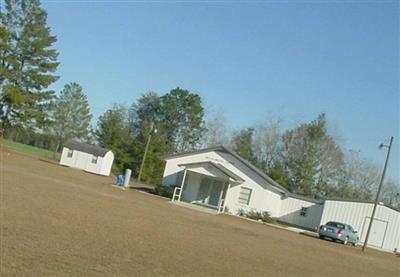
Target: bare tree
{"type": "Point", "coordinates": [217, 132]}
{"type": "Point", "coordinates": [391, 193]}
{"type": "Point", "coordinates": [360, 177]}
{"type": "Point", "coordinates": [330, 166]}
{"type": "Point", "coordinates": [267, 140]}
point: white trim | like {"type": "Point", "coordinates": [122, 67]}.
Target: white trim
{"type": "Point", "coordinates": [226, 196]}
{"type": "Point", "coordinates": [182, 184]}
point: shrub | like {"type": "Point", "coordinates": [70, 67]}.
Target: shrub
{"type": "Point", "coordinates": [253, 214]}
{"type": "Point", "coordinates": [165, 191]}
{"type": "Point", "coordinates": [266, 217]}
{"type": "Point", "coordinates": [241, 212]}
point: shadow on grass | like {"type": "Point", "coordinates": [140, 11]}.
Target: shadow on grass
{"type": "Point", "coordinates": [53, 162]}
{"type": "Point", "coordinates": [144, 189]}
{"type": "Point", "coordinates": [309, 234]}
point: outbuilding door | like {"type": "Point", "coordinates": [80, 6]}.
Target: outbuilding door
{"type": "Point", "coordinates": [81, 160]}
{"type": "Point", "coordinates": [377, 234]}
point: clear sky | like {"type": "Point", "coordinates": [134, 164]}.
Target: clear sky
{"type": "Point", "coordinates": [250, 60]}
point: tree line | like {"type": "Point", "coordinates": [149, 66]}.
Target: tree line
{"type": "Point", "coordinates": [305, 159]}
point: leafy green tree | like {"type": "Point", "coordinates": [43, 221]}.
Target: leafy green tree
{"type": "Point", "coordinates": [154, 166]}
{"type": "Point", "coordinates": [145, 111]}
{"type": "Point", "coordinates": [242, 144]}
{"type": "Point", "coordinates": [174, 121]}
{"type": "Point", "coordinates": [71, 115]}
{"type": "Point", "coordinates": [278, 173]}
{"type": "Point", "coordinates": [113, 132]}
{"type": "Point", "coordinates": [6, 59]}
{"type": "Point", "coordinates": [145, 119]}
{"type": "Point", "coordinates": [28, 64]}
{"type": "Point", "coordinates": [311, 159]}
{"type": "Point", "coordinates": [182, 113]}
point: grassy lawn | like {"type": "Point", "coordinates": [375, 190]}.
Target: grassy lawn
{"type": "Point", "coordinates": [56, 221]}
{"type": "Point", "coordinates": [27, 149]}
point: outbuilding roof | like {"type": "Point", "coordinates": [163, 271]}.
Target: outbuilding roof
{"type": "Point", "coordinates": [86, 148]}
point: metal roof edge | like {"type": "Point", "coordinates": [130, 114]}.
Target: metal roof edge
{"type": "Point", "coordinates": [199, 151]}
{"type": "Point", "coordinates": [305, 198]}
{"type": "Point", "coordinates": [86, 147]}
{"type": "Point", "coordinates": [254, 168]}
{"type": "Point", "coordinates": [361, 201]}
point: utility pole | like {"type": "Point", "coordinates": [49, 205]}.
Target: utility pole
{"type": "Point", "coordinates": [145, 151]}
{"type": "Point", "coordinates": [379, 190]}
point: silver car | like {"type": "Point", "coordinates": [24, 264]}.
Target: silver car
{"type": "Point", "coordinates": [337, 231]}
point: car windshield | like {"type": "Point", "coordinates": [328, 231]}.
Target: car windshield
{"type": "Point", "coordinates": [335, 224]}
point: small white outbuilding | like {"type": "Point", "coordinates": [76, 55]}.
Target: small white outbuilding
{"type": "Point", "coordinates": [90, 158]}
{"type": "Point", "coordinates": [220, 179]}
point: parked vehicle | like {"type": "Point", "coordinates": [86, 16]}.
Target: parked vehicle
{"type": "Point", "coordinates": [338, 231]}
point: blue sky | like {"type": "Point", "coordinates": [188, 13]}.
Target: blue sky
{"type": "Point", "coordinates": [250, 60]}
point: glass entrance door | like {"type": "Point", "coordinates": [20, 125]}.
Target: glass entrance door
{"type": "Point", "coordinates": [210, 191]}
{"type": "Point", "coordinates": [215, 192]}
{"type": "Point", "coordinates": [204, 189]}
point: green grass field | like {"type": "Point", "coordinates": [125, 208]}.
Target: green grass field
{"type": "Point", "coordinates": [27, 149]}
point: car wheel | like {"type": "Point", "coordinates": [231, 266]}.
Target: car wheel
{"type": "Point", "coordinates": [346, 240]}
{"type": "Point", "coordinates": [321, 237]}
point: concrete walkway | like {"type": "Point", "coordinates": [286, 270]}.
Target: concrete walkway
{"type": "Point", "coordinates": [194, 207]}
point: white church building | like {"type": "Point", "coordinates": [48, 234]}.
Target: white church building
{"type": "Point", "coordinates": [90, 158]}
{"type": "Point", "coordinates": [220, 179]}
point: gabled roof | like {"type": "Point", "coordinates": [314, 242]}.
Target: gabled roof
{"type": "Point", "coordinates": [269, 179]}
{"type": "Point", "coordinates": [86, 148]}
{"type": "Point", "coordinates": [219, 167]}
{"type": "Point", "coordinates": [232, 153]}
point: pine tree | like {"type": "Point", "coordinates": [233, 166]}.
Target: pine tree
{"type": "Point", "coordinates": [28, 62]}
{"type": "Point", "coordinates": [71, 116]}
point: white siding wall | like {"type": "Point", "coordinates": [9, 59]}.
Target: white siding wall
{"type": "Point", "coordinates": [385, 234]}
{"type": "Point", "coordinates": [261, 198]}
{"type": "Point", "coordinates": [107, 163]}
{"type": "Point", "coordinates": [93, 167]}
{"type": "Point", "coordinates": [290, 213]}
{"type": "Point", "coordinates": [65, 160]}
{"type": "Point", "coordinates": [83, 161]}
{"type": "Point", "coordinates": [265, 197]}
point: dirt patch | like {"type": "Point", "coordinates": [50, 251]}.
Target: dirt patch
{"type": "Point", "coordinates": [57, 221]}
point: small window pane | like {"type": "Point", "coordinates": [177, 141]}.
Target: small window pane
{"type": "Point", "coordinates": [303, 211]}
{"type": "Point", "coordinates": [94, 160]}
{"type": "Point", "coordinates": [244, 196]}
{"type": "Point", "coordinates": [70, 153]}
